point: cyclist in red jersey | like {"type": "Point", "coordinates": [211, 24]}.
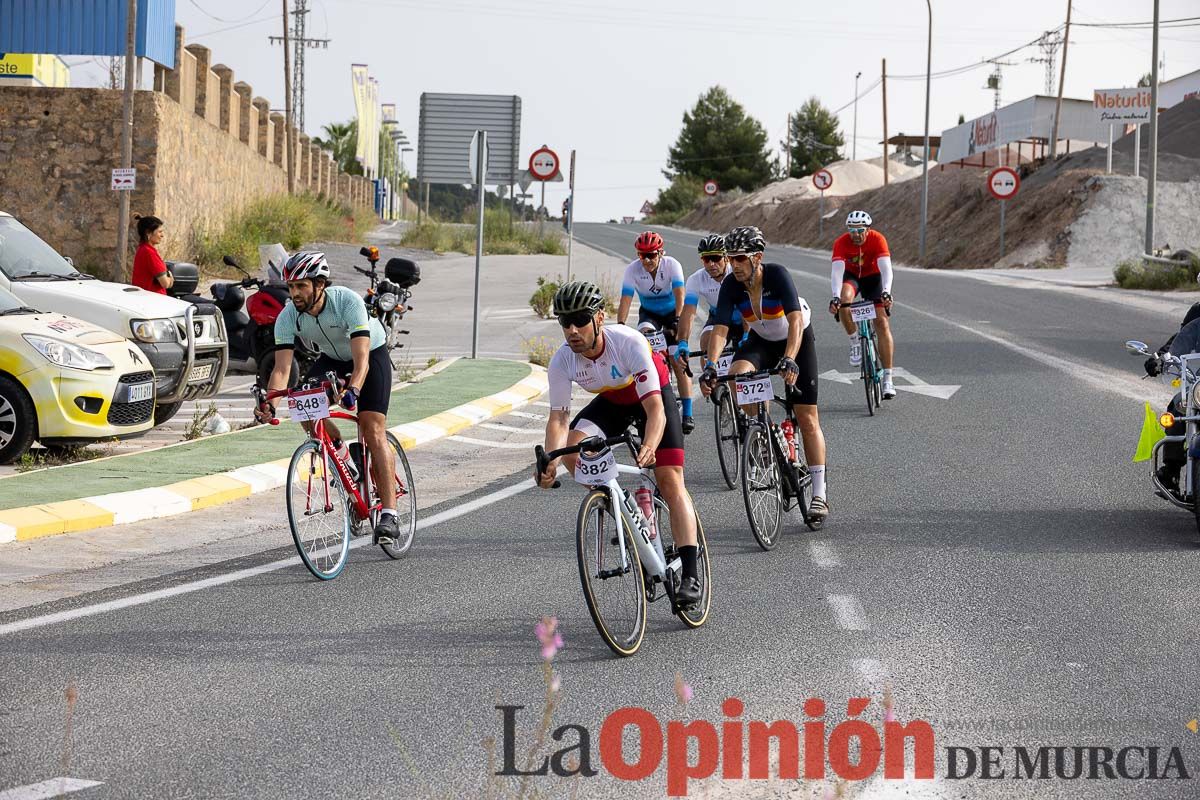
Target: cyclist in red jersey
{"type": "Point", "coordinates": [862, 265]}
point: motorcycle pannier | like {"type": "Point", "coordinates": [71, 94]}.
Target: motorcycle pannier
{"type": "Point", "coordinates": [187, 277]}
{"type": "Point", "coordinates": [403, 272]}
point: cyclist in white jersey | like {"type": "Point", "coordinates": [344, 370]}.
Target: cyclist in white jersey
{"type": "Point", "coordinates": [630, 383]}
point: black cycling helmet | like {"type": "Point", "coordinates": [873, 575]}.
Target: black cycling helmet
{"type": "Point", "coordinates": [578, 296]}
{"type": "Point", "coordinates": [746, 239]}
{"type": "Point", "coordinates": [712, 245]}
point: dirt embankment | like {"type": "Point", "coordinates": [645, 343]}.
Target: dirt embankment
{"type": "Point", "coordinates": [964, 219]}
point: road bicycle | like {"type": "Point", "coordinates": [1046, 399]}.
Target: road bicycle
{"type": "Point", "coordinates": [328, 500]}
{"type": "Point", "coordinates": [774, 472]}
{"type": "Point", "coordinates": [728, 421]}
{"type": "Point", "coordinates": [625, 561]}
{"type": "Point", "coordinates": [871, 371]}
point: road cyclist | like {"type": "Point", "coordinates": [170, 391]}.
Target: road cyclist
{"type": "Point", "coordinates": [781, 336]}
{"type": "Point", "coordinates": [862, 266]}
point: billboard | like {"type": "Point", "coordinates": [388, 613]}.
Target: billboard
{"type": "Point", "coordinates": [447, 123]}
{"type": "Point", "coordinates": [1122, 106]}
{"type": "Point", "coordinates": [1025, 120]}
{"type": "Point", "coordinates": [33, 70]}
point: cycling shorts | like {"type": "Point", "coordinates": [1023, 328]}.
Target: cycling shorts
{"type": "Point", "coordinates": [376, 389]}
{"type": "Point", "coordinates": [869, 286]}
{"type": "Point", "coordinates": [667, 323]}
{"type": "Point", "coordinates": [602, 417]}
{"type": "Point", "coordinates": [766, 354]}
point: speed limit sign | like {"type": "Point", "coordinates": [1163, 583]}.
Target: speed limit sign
{"type": "Point", "coordinates": [822, 179]}
{"type": "Point", "coordinates": [710, 188]}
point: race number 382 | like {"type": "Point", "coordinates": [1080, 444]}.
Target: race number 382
{"type": "Point", "coordinates": [596, 470]}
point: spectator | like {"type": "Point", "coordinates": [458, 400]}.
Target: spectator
{"type": "Point", "coordinates": [149, 270]}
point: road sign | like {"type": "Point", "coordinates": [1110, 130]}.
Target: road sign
{"type": "Point", "coordinates": [1003, 183]}
{"type": "Point", "coordinates": [626, 220]}
{"type": "Point", "coordinates": [710, 188]}
{"type": "Point", "coordinates": [822, 179]}
{"type": "Point", "coordinates": [124, 180]}
{"type": "Point", "coordinates": [543, 164]}
{"type": "Point", "coordinates": [647, 208]}
{"type": "Point", "coordinates": [473, 156]}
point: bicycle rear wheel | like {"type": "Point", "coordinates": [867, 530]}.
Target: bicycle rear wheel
{"type": "Point", "coordinates": [318, 512]}
{"type": "Point", "coordinates": [613, 586]}
{"type": "Point", "coordinates": [728, 441]}
{"type": "Point", "coordinates": [868, 370]}
{"type": "Point", "coordinates": [761, 488]}
{"type": "Point", "coordinates": [406, 502]}
{"type": "Point", "coordinates": [697, 616]}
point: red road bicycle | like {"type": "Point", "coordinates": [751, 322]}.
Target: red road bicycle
{"type": "Point", "coordinates": [328, 500]}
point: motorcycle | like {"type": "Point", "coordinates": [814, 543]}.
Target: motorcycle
{"type": "Point", "coordinates": [387, 299]}
{"type": "Point", "coordinates": [250, 325]}
{"type": "Point", "coordinates": [1184, 370]}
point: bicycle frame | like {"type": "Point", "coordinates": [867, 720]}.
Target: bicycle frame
{"type": "Point", "coordinates": [359, 504]}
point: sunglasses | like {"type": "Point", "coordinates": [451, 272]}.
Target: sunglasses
{"type": "Point", "coordinates": [857, 230]}
{"type": "Point", "coordinates": [577, 319]}
{"type": "Point", "coordinates": [649, 256]}
{"type": "Point", "coordinates": [711, 259]}
{"type": "Point", "coordinates": [739, 258]}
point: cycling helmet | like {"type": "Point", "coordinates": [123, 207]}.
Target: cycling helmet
{"type": "Point", "coordinates": [747, 239]}
{"type": "Point", "coordinates": [858, 219]}
{"type": "Point", "coordinates": [648, 242]}
{"type": "Point", "coordinates": [306, 265]}
{"type": "Point", "coordinates": [712, 245]}
{"type": "Point", "coordinates": [578, 296]}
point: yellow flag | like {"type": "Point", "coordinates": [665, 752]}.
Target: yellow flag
{"type": "Point", "coordinates": [1152, 432]}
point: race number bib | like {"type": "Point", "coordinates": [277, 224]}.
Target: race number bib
{"type": "Point", "coordinates": [722, 364]}
{"type": "Point", "coordinates": [596, 469]}
{"type": "Point", "coordinates": [658, 341]}
{"type": "Point", "coordinates": [755, 391]}
{"type": "Point", "coordinates": [860, 312]}
{"type": "Point", "coordinates": [308, 406]}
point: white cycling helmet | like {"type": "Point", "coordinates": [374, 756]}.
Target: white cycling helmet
{"type": "Point", "coordinates": [306, 265]}
{"type": "Point", "coordinates": [646, 326]}
{"type": "Point", "coordinates": [858, 219]}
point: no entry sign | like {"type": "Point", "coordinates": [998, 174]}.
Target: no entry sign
{"type": "Point", "coordinates": [1003, 183]}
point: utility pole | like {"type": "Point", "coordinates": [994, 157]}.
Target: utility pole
{"type": "Point", "coordinates": [300, 43]}
{"type": "Point", "coordinates": [1152, 179]}
{"type": "Point", "coordinates": [126, 139]}
{"type": "Point", "coordinates": [886, 166]}
{"type": "Point", "coordinates": [1062, 77]}
{"type": "Point", "coordinates": [854, 135]}
{"type": "Point", "coordinates": [925, 160]}
{"type": "Point", "coordinates": [287, 92]}
{"type": "Point", "coordinates": [1048, 44]}
{"type": "Point", "coordinates": [789, 146]}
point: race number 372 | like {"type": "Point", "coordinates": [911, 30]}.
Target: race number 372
{"type": "Point", "coordinates": [755, 391]}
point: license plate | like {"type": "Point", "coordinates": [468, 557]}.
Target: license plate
{"type": "Point", "coordinates": [308, 406]}
{"type": "Point", "coordinates": [723, 364]}
{"type": "Point", "coordinates": [141, 391]}
{"type": "Point", "coordinates": [755, 391]}
{"type": "Point", "coordinates": [200, 373]}
{"type": "Point", "coordinates": [862, 311]}
{"type": "Point", "coordinates": [658, 341]}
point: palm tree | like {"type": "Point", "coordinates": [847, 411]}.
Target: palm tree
{"type": "Point", "coordinates": [341, 139]}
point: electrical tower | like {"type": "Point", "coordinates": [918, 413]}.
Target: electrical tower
{"type": "Point", "coordinates": [300, 43]}
{"type": "Point", "coordinates": [993, 80]}
{"type": "Point", "coordinates": [1049, 43]}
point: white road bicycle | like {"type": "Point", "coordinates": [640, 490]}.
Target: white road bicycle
{"type": "Point", "coordinates": [624, 563]}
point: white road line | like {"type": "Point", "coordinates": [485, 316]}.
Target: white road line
{"type": "Point", "coordinates": [541, 403]}
{"type": "Point", "coordinates": [874, 674]}
{"type": "Point", "coordinates": [487, 443]}
{"type": "Point", "coordinates": [231, 577]}
{"type": "Point", "coordinates": [492, 426]}
{"type": "Point", "coordinates": [824, 555]}
{"type": "Point", "coordinates": [526, 415]}
{"type": "Point", "coordinates": [846, 610]}
{"type": "Point", "coordinates": [47, 789]}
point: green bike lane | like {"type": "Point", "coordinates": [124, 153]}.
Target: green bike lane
{"type": "Point", "coordinates": [989, 557]}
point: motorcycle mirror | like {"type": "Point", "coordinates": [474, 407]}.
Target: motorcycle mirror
{"type": "Point", "coordinates": [1136, 347]}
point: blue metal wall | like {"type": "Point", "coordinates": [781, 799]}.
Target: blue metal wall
{"type": "Point", "coordinates": [87, 27]}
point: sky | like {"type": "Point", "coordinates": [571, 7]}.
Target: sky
{"type": "Point", "coordinates": [612, 81]}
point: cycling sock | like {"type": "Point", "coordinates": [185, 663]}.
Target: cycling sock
{"type": "Point", "coordinates": [688, 555]}
{"type": "Point", "coordinates": [885, 374]}
{"type": "Point", "coordinates": [387, 512]}
{"type": "Point", "coordinates": [818, 478]}
{"type": "Point", "coordinates": [687, 406]}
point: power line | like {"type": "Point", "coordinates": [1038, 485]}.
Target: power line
{"type": "Point", "coordinates": [206, 13]}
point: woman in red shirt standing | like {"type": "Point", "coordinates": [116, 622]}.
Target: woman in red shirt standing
{"type": "Point", "coordinates": [149, 270]}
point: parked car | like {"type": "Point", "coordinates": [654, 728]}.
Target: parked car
{"type": "Point", "coordinates": [64, 381]}
{"type": "Point", "coordinates": [184, 343]}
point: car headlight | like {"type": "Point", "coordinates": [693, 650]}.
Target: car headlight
{"type": "Point", "coordinates": [386, 302]}
{"type": "Point", "coordinates": [65, 354]}
{"type": "Point", "coordinates": [153, 330]}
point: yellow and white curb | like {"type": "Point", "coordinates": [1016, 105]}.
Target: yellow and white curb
{"type": "Point", "coordinates": [119, 508]}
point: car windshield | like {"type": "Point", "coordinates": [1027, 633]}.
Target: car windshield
{"type": "Point", "coordinates": [23, 256]}
{"type": "Point", "coordinates": [11, 304]}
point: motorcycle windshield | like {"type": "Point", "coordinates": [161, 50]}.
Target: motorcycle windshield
{"type": "Point", "coordinates": [1187, 341]}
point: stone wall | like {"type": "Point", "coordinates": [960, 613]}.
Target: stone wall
{"type": "Point", "coordinates": [204, 147]}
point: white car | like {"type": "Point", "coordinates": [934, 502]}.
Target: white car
{"type": "Point", "coordinates": [185, 343]}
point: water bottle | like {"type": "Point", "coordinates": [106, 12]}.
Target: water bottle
{"type": "Point", "coordinates": [780, 439]}
{"type": "Point", "coordinates": [645, 501]}
{"type": "Point", "coordinates": [343, 453]}
{"type": "Point", "coordinates": [789, 433]}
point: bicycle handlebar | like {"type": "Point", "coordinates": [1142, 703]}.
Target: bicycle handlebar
{"type": "Point", "coordinates": [749, 376]}
{"type": "Point", "coordinates": [591, 444]}
{"type": "Point", "coordinates": [263, 397]}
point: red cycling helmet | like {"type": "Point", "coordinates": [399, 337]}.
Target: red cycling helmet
{"type": "Point", "coordinates": [648, 242]}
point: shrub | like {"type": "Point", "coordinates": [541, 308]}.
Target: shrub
{"type": "Point", "coordinates": [539, 350]}
{"type": "Point", "coordinates": [1139, 274]}
{"type": "Point", "coordinates": [498, 238]}
{"type": "Point", "coordinates": [543, 297]}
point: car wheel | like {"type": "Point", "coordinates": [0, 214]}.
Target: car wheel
{"type": "Point", "coordinates": [268, 366]}
{"type": "Point", "coordinates": [164, 411]}
{"type": "Point", "coordinates": [18, 420]}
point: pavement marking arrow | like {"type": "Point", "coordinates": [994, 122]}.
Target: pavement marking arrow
{"type": "Point", "coordinates": [47, 789]}
{"type": "Point", "coordinates": [915, 385]}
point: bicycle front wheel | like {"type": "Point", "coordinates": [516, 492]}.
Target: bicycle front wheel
{"type": "Point", "coordinates": [868, 372]}
{"type": "Point", "coordinates": [761, 487]}
{"type": "Point", "coordinates": [697, 616]}
{"type": "Point", "coordinates": [728, 441]}
{"type": "Point", "coordinates": [406, 501]}
{"type": "Point", "coordinates": [612, 579]}
{"type": "Point", "coordinates": [318, 512]}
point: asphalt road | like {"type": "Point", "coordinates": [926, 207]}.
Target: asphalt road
{"type": "Point", "coordinates": [993, 563]}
